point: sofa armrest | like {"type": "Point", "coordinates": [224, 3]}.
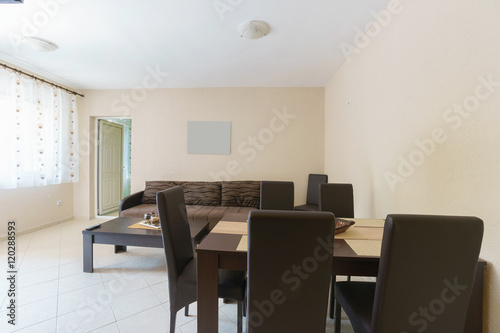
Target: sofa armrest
{"type": "Point", "coordinates": [131, 201]}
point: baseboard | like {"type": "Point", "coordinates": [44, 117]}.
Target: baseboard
{"type": "Point", "coordinates": [39, 227]}
{"type": "Point", "coordinates": [83, 217]}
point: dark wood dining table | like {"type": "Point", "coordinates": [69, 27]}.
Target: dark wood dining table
{"type": "Point", "coordinates": [225, 248]}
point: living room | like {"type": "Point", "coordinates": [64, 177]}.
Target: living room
{"type": "Point", "coordinates": [407, 115]}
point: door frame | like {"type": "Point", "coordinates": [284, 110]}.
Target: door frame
{"type": "Point", "coordinates": [96, 162]}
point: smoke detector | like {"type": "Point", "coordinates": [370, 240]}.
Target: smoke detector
{"type": "Point", "coordinates": [254, 29]}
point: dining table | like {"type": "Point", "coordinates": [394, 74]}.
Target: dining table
{"type": "Point", "coordinates": [356, 253]}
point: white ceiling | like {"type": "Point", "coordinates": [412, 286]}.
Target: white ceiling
{"type": "Point", "coordinates": [109, 44]}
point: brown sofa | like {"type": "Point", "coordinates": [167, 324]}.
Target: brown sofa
{"type": "Point", "coordinates": [205, 201]}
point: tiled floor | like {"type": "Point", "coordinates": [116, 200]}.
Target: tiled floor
{"type": "Point", "coordinates": [114, 213]}
{"type": "Point", "coordinates": [126, 293]}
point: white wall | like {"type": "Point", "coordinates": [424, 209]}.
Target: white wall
{"type": "Point", "coordinates": [33, 207]}
{"type": "Point", "coordinates": [289, 149]}
{"type": "Point", "coordinates": [431, 57]}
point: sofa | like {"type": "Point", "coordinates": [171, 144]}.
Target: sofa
{"type": "Point", "coordinates": [205, 201]}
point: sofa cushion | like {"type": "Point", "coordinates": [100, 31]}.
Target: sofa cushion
{"type": "Point", "coordinates": [152, 187]}
{"type": "Point", "coordinates": [202, 193]}
{"type": "Point", "coordinates": [139, 211]}
{"type": "Point", "coordinates": [241, 193]}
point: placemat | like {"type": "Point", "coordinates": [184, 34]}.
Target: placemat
{"type": "Point", "coordinates": [243, 245]}
{"type": "Point", "coordinates": [372, 223]}
{"type": "Point", "coordinates": [140, 226]}
{"type": "Point", "coordinates": [356, 232]}
{"type": "Point", "coordinates": [235, 228]}
{"type": "Point", "coordinates": [365, 247]}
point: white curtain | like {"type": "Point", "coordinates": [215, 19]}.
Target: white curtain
{"type": "Point", "coordinates": [38, 133]}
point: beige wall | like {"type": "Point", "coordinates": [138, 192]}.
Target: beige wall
{"type": "Point", "coordinates": [33, 207]}
{"type": "Point", "coordinates": [287, 149]}
{"type": "Point", "coordinates": [406, 85]}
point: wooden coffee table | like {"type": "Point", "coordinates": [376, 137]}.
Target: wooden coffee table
{"type": "Point", "coordinates": [117, 232]}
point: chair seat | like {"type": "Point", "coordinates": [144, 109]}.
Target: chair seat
{"type": "Point", "coordinates": [231, 283]}
{"type": "Point", "coordinates": [357, 301]}
{"type": "Point", "coordinates": [307, 207]}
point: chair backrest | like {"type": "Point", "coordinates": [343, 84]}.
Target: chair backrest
{"type": "Point", "coordinates": [276, 195]}
{"type": "Point", "coordinates": [175, 230]}
{"type": "Point", "coordinates": [313, 188]}
{"type": "Point", "coordinates": [289, 269]}
{"type": "Point", "coordinates": [426, 273]}
{"type": "Point", "coordinates": [338, 199]}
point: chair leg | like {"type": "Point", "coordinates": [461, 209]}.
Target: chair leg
{"type": "Point", "coordinates": [186, 310]}
{"type": "Point", "coordinates": [240, 316]}
{"type": "Point", "coordinates": [173, 315]}
{"type": "Point", "coordinates": [332, 297]}
{"type": "Point", "coordinates": [338, 316]}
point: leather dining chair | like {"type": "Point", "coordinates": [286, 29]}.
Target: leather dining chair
{"type": "Point", "coordinates": [181, 261]}
{"type": "Point", "coordinates": [425, 277]}
{"type": "Point", "coordinates": [289, 266]}
{"type": "Point", "coordinates": [312, 200]}
{"type": "Point", "coordinates": [276, 195]}
{"type": "Point", "coordinates": [338, 199]}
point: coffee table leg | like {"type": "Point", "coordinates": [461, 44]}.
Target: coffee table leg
{"type": "Point", "coordinates": [120, 248]}
{"type": "Point", "coordinates": [208, 292]}
{"type": "Point", "coordinates": [88, 254]}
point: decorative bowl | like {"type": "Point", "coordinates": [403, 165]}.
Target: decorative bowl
{"type": "Point", "coordinates": [342, 225]}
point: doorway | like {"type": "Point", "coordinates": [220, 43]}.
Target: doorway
{"type": "Point", "coordinates": [113, 163]}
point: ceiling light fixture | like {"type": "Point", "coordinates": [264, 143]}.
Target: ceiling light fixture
{"type": "Point", "coordinates": [39, 44]}
{"type": "Point", "coordinates": [254, 29]}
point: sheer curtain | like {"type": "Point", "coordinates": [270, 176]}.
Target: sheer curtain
{"type": "Point", "coordinates": [38, 133]}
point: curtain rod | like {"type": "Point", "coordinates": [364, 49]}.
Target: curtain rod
{"type": "Point", "coordinates": [39, 79]}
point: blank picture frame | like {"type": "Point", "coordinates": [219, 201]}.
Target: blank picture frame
{"type": "Point", "coordinates": [209, 137]}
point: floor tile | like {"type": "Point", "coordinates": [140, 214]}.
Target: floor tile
{"type": "Point", "coordinates": [136, 253]}
{"type": "Point", "coordinates": [154, 276]}
{"type": "Point", "coordinates": [37, 292]}
{"type": "Point", "coordinates": [226, 325]}
{"type": "Point", "coordinates": [152, 261]}
{"type": "Point", "coordinates": [133, 303]}
{"type": "Point", "coordinates": [73, 268]}
{"type": "Point", "coordinates": [111, 259]}
{"type": "Point", "coordinates": [161, 291]}
{"type": "Point", "coordinates": [345, 327]}
{"type": "Point", "coordinates": [78, 281]}
{"type": "Point", "coordinates": [36, 277]}
{"type": "Point", "coordinates": [81, 298]}
{"type": "Point", "coordinates": [111, 328]}
{"type": "Point", "coordinates": [182, 319]}
{"type": "Point", "coordinates": [70, 255]}
{"type": "Point", "coordinates": [143, 322]}
{"type": "Point", "coordinates": [231, 311]}
{"type": "Point", "coordinates": [86, 319]}
{"type": "Point", "coordinates": [31, 314]}
{"type": "Point", "coordinates": [47, 326]}
{"type": "Point", "coordinates": [117, 271]}
{"type": "Point", "coordinates": [36, 262]}
{"type": "Point", "coordinates": [125, 285]}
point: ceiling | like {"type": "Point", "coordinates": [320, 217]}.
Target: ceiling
{"type": "Point", "coordinates": [114, 44]}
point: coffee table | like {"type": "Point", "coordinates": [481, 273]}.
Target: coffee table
{"type": "Point", "coordinates": [116, 232]}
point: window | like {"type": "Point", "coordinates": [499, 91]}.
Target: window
{"type": "Point", "coordinates": [38, 133]}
